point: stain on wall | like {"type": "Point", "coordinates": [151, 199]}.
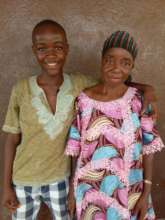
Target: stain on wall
{"type": "Point", "coordinates": [87, 23]}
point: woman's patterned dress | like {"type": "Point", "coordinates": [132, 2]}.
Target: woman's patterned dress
{"type": "Point", "coordinates": [109, 139]}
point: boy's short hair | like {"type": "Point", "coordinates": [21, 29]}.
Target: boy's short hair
{"type": "Point", "coordinates": [47, 22]}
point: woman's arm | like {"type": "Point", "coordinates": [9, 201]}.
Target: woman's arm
{"type": "Point", "coordinates": [73, 168]}
{"type": "Point", "coordinates": [148, 167]}
{"type": "Point", "coordinates": [140, 209]}
{"type": "Point", "coordinates": [71, 199]}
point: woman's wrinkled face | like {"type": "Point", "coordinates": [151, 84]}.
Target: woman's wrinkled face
{"type": "Point", "coordinates": [116, 66]}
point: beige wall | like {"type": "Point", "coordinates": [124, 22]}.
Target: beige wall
{"type": "Point", "coordinates": [88, 23]}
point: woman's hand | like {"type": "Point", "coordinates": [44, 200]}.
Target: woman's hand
{"type": "Point", "coordinates": [140, 209]}
{"type": "Point", "coordinates": [9, 199]}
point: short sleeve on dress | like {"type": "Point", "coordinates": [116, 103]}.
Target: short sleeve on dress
{"type": "Point", "coordinates": [150, 137]}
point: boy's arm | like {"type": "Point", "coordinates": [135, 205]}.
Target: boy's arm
{"type": "Point", "coordinates": [9, 197]}
{"type": "Point", "coordinates": [149, 97]}
{"type": "Point", "coordinates": [12, 141]}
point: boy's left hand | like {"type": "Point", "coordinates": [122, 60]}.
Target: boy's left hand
{"type": "Point", "coordinates": [140, 209]}
{"type": "Point", "coordinates": [150, 98]}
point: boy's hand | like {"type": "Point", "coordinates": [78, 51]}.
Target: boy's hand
{"type": "Point", "coordinates": [71, 202]}
{"type": "Point", "coordinates": [150, 98]}
{"type": "Point", "coordinates": [9, 200]}
{"type": "Point", "coordinates": [140, 209]}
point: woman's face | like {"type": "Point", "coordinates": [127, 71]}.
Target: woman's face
{"type": "Point", "coordinates": [116, 66]}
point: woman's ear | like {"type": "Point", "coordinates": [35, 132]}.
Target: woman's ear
{"type": "Point", "coordinates": [128, 80]}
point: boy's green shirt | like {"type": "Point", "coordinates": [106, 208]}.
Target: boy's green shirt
{"type": "Point", "coordinates": [40, 156]}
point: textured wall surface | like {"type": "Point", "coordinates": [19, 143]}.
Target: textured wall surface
{"type": "Point", "coordinates": [87, 23]}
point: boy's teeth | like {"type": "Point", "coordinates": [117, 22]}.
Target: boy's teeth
{"type": "Point", "coordinates": [52, 64]}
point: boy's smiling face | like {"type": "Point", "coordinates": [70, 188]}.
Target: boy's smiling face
{"type": "Point", "coordinates": [50, 48]}
{"type": "Point", "coordinates": [116, 66]}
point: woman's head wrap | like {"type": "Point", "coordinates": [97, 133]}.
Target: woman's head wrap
{"type": "Point", "coordinates": [121, 39]}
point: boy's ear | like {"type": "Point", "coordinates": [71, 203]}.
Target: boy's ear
{"type": "Point", "coordinates": [67, 48]}
{"type": "Point", "coordinates": [33, 49]}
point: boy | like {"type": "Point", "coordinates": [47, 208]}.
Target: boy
{"type": "Point", "coordinates": [39, 114]}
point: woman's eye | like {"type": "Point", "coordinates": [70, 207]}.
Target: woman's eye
{"type": "Point", "coordinates": [108, 60]}
{"type": "Point", "coordinates": [126, 64]}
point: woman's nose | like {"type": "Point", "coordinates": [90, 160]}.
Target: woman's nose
{"type": "Point", "coordinates": [116, 65]}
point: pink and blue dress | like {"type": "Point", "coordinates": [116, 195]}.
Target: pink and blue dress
{"type": "Point", "coordinates": [109, 140]}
